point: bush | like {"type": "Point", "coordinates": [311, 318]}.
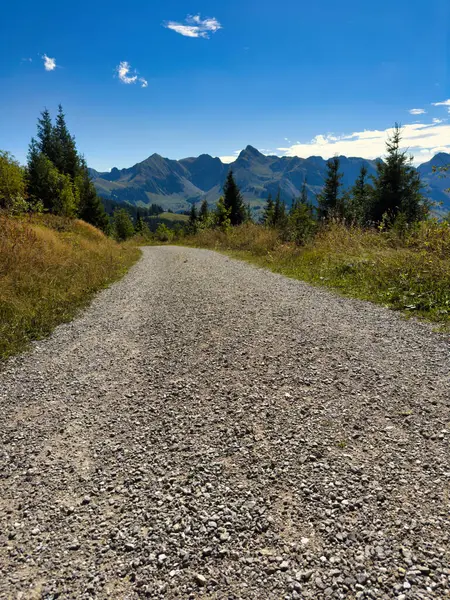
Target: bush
{"type": "Point", "coordinates": [12, 184]}
{"type": "Point", "coordinates": [163, 233]}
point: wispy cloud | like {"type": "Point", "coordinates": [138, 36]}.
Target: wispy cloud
{"type": "Point", "coordinates": [417, 111]}
{"type": "Point", "coordinates": [26, 60]}
{"type": "Point", "coordinates": [49, 63]}
{"type": "Point", "coordinates": [195, 27]}
{"type": "Point", "coordinates": [124, 71]}
{"type": "Point", "coordinates": [423, 140]}
{"type": "Point", "coordinates": [443, 103]}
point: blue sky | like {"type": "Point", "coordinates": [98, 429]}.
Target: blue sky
{"type": "Point", "coordinates": [184, 78]}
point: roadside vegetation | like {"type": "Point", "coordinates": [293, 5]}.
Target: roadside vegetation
{"type": "Point", "coordinates": [376, 241]}
{"type": "Point", "coordinates": [52, 261]}
{"type": "Point", "coordinates": [50, 266]}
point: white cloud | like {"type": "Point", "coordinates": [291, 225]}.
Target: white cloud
{"type": "Point", "coordinates": [49, 63]}
{"type": "Point", "coordinates": [124, 73]}
{"type": "Point", "coordinates": [195, 27]}
{"type": "Point", "coordinates": [417, 111]}
{"type": "Point", "coordinates": [123, 70]}
{"type": "Point", "coordinates": [423, 140]}
{"type": "Point", "coordinates": [437, 121]}
{"type": "Point", "coordinates": [444, 103]}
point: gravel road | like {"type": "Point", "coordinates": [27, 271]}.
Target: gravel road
{"type": "Point", "coordinates": [207, 429]}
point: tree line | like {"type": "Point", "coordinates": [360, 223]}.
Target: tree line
{"type": "Point", "coordinates": [392, 198]}
{"type": "Point", "coordinates": [56, 180]}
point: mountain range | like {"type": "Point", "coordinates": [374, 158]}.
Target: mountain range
{"type": "Point", "coordinates": [176, 184]}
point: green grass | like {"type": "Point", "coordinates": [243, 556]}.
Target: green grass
{"type": "Point", "coordinates": [409, 273]}
{"type": "Point", "coordinates": [49, 268]}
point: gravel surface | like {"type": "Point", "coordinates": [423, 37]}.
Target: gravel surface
{"type": "Point", "coordinates": [207, 429]}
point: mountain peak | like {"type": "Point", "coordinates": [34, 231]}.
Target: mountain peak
{"type": "Point", "coordinates": [250, 152]}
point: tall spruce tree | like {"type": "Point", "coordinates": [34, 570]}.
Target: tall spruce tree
{"type": "Point", "coordinates": [358, 205]}
{"type": "Point", "coordinates": [193, 218]}
{"type": "Point", "coordinates": [330, 200]}
{"type": "Point", "coordinates": [279, 212]}
{"type": "Point", "coordinates": [66, 156]}
{"type": "Point", "coordinates": [54, 166]}
{"type": "Point", "coordinates": [45, 135]}
{"type": "Point", "coordinates": [204, 211]}
{"type": "Point", "coordinates": [267, 217]}
{"type": "Point", "coordinates": [90, 206]}
{"type": "Point", "coordinates": [304, 193]}
{"type": "Point", "coordinates": [397, 186]}
{"type": "Point", "coordinates": [233, 200]}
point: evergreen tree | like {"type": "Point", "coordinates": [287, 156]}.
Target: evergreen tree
{"type": "Point", "coordinates": [233, 200]}
{"type": "Point", "coordinates": [139, 223]}
{"type": "Point", "coordinates": [330, 201]}
{"type": "Point", "coordinates": [359, 200]}
{"type": "Point", "coordinates": [279, 212]}
{"type": "Point", "coordinates": [193, 218]}
{"type": "Point", "coordinates": [302, 224]}
{"type": "Point", "coordinates": [268, 215]}
{"type": "Point", "coordinates": [204, 211]}
{"type": "Point", "coordinates": [45, 135]}
{"type": "Point", "coordinates": [90, 207]}
{"type": "Point", "coordinates": [41, 177]}
{"type": "Point", "coordinates": [66, 157]}
{"type": "Point", "coordinates": [397, 186]}
{"type": "Point", "coordinates": [122, 225]}
{"type": "Point", "coordinates": [304, 193]}
{"type": "Point", "coordinates": [222, 215]}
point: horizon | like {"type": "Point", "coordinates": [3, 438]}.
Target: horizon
{"type": "Point", "coordinates": [205, 79]}
{"type": "Point", "coordinates": [254, 147]}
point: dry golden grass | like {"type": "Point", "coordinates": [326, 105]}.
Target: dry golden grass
{"type": "Point", "coordinates": [49, 267]}
{"type": "Point", "coordinates": [409, 272]}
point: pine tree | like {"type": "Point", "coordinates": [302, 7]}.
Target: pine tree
{"type": "Point", "coordinates": [66, 156]}
{"type": "Point", "coordinates": [302, 224]}
{"type": "Point", "coordinates": [139, 222]}
{"type": "Point", "coordinates": [330, 201]}
{"type": "Point", "coordinates": [90, 208]}
{"type": "Point", "coordinates": [45, 135]}
{"type": "Point", "coordinates": [268, 214]}
{"type": "Point", "coordinates": [204, 211]}
{"type": "Point", "coordinates": [304, 193]}
{"type": "Point", "coordinates": [397, 186]}
{"type": "Point", "coordinates": [233, 200]}
{"type": "Point", "coordinates": [279, 212]}
{"type": "Point", "coordinates": [359, 200]}
{"type": "Point", "coordinates": [193, 218]}
{"type": "Point", "coordinates": [222, 215]}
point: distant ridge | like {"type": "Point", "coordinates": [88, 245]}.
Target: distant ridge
{"type": "Point", "coordinates": [176, 184]}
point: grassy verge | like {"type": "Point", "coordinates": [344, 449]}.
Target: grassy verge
{"type": "Point", "coordinates": [409, 273]}
{"type": "Point", "coordinates": [49, 268]}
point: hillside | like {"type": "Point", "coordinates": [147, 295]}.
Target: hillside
{"type": "Point", "coordinates": [175, 184]}
{"type": "Point", "coordinates": [49, 267]}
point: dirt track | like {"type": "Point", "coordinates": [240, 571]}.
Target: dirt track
{"type": "Point", "coordinates": [207, 429]}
